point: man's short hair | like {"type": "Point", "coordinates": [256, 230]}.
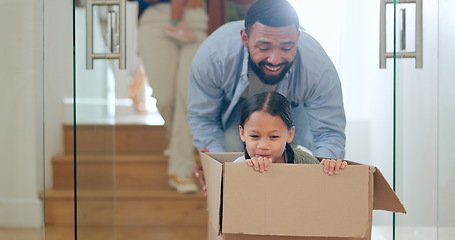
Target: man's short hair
{"type": "Point", "coordinates": [272, 13]}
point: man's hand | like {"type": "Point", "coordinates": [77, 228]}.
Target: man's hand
{"type": "Point", "coordinates": [199, 173]}
{"type": "Point", "coordinates": [333, 166]}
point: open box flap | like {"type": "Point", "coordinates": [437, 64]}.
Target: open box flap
{"type": "Point", "coordinates": [296, 200]}
{"type": "Point", "coordinates": [384, 196]}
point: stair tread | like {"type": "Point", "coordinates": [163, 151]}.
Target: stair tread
{"type": "Point", "coordinates": [119, 138]}
{"type": "Point", "coordinates": [103, 158]}
{"type": "Point", "coordinates": [164, 193]}
{"type": "Point", "coordinates": [122, 179]}
{"type": "Point", "coordinates": [117, 125]}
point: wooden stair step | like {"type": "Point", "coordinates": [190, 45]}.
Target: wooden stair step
{"type": "Point", "coordinates": [157, 208]}
{"type": "Point", "coordinates": [119, 138]}
{"type": "Point", "coordinates": [142, 233]}
{"type": "Point", "coordinates": [105, 232]}
{"type": "Point", "coordinates": [105, 171]}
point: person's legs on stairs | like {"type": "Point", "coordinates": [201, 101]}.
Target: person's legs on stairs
{"type": "Point", "coordinates": [182, 159]}
{"type": "Point", "coordinates": [159, 56]}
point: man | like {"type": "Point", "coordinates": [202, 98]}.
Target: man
{"type": "Point", "coordinates": [271, 53]}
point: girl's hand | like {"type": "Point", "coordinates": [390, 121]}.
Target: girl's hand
{"type": "Point", "coordinates": [332, 166]}
{"type": "Point", "coordinates": [260, 164]}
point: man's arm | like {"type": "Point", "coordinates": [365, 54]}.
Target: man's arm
{"type": "Point", "coordinates": [318, 87]}
{"type": "Point", "coordinates": [205, 98]}
{"type": "Point", "coordinates": [327, 119]}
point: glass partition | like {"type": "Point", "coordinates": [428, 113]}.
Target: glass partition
{"type": "Point", "coordinates": [398, 109]}
{"type": "Point", "coordinates": [122, 189]}
{"type": "Point", "coordinates": [349, 33]}
{"type": "Point", "coordinates": [416, 120]}
{"type": "Point", "coordinates": [94, 128]}
{"type": "Point", "coordinates": [424, 119]}
{"type": "Point", "coordinates": [446, 120]}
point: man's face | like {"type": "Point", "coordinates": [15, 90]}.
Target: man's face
{"type": "Point", "coordinates": [271, 50]}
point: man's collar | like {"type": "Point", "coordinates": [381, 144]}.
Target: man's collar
{"type": "Point", "coordinates": [245, 62]}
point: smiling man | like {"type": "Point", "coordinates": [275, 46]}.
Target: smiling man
{"type": "Point", "coordinates": [271, 53]}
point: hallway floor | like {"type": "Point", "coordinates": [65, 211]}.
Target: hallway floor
{"type": "Point", "coordinates": [149, 233]}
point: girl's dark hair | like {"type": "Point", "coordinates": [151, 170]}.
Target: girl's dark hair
{"type": "Point", "coordinates": [274, 104]}
{"type": "Point", "coordinates": [272, 13]}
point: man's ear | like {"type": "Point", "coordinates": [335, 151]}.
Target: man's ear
{"type": "Point", "coordinates": [291, 135]}
{"type": "Point", "coordinates": [244, 37]}
{"type": "Point", "coordinates": [241, 132]}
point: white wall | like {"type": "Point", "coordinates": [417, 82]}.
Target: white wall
{"type": "Point", "coordinates": [20, 112]}
{"type": "Point", "coordinates": [32, 90]}
{"type": "Point", "coordinates": [58, 75]}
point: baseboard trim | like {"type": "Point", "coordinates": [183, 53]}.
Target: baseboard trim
{"type": "Point", "coordinates": [21, 212]}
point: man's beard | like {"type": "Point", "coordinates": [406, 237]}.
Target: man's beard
{"type": "Point", "coordinates": [267, 79]}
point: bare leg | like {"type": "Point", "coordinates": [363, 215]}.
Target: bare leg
{"type": "Point", "coordinates": [177, 10]}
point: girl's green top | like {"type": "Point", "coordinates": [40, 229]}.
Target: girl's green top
{"type": "Point", "coordinates": [302, 157]}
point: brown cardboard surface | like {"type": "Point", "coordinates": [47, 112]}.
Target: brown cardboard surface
{"type": "Point", "coordinates": [290, 202]}
{"type": "Point", "coordinates": [296, 200]}
{"type": "Point", "coordinates": [213, 234]}
{"type": "Point", "coordinates": [262, 237]}
{"type": "Point", "coordinates": [213, 171]}
{"type": "Point", "coordinates": [384, 196]}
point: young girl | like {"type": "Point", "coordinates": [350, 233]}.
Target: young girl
{"type": "Point", "coordinates": [267, 127]}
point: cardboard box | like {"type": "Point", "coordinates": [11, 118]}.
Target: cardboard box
{"type": "Point", "coordinates": [292, 201]}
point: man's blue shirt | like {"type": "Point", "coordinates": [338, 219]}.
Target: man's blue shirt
{"type": "Point", "coordinates": [219, 76]}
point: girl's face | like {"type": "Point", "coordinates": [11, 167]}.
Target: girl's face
{"type": "Point", "coordinates": [266, 136]}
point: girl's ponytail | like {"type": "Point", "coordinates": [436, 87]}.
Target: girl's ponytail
{"type": "Point", "coordinates": [289, 153]}
{"type": "Point", "coordinates": [247, 156]}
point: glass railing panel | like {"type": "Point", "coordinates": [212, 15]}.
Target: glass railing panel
{"type": "Point", "coordinates": [94, 109]}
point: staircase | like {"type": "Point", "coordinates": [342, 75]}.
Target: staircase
{"type": "Point", "coordinates": [123, 194]}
